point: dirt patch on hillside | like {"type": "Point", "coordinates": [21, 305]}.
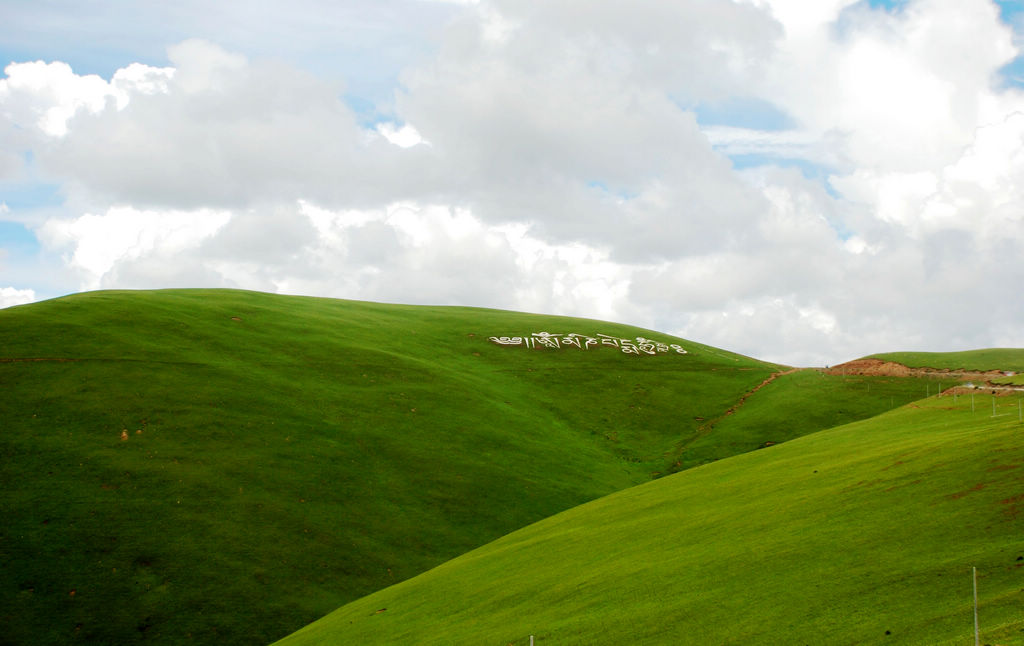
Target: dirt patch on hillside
{"type": "Point", "coordinates": [871, 367]}
{"type": "Point", "coordinates": [879, 368]}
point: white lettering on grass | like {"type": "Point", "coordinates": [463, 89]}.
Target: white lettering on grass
{"type": "Point", "coordinates": [638, 346]}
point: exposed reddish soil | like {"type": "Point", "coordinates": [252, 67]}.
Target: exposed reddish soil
{"type": "Point", "coordinates": [879, 368]}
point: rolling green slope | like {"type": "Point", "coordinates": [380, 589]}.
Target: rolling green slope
{"type": "Point", "coordinates": [224, 467]}
{"type": "Point", "coordinates": [863, 534]}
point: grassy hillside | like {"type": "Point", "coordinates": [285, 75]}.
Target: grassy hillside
{"type": "Point", "coordinates": [979, 360]}
{"type": "Point", "coordinates": [862, 534]}
{"type": "Point", "coordinates": [224, 467]}
{"type": "Point", "coordinates": [795, 404]}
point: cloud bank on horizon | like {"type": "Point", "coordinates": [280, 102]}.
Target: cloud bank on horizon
{"type": "Point", "coordinates": [802, 182]}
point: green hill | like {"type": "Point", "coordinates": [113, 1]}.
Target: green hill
{"type": "Point", "coordinates": [227, 466]}
{"type": "Point", "coordinates": [224, 467]}
{"type": "Point", "coordinates": [864, 534]}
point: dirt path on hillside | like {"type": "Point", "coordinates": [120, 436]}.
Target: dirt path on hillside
{"type": "Point", "coordinates": [742, 400]}
{"type": "Point", "coordinates": [709, 425]}
{"type": "Point", "coordinates": [34, 359]}
{"type": "Point", "coordinates": [866, 367]}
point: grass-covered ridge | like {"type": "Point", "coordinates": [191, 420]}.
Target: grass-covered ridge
{"type": "Point", "coordinates": [862, 534]}
{"type": "Point", "coordinates": [225, 467]}
{"type": "Point", "coordinates": [1010, 359]}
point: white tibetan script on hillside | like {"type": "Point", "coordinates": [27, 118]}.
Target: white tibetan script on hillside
{"type": "Point", "coordinates": [637, 346]}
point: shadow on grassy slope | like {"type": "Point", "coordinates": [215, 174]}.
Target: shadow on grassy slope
{"type": "Point", "coordinates": [862, 534]}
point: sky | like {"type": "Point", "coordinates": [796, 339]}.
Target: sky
{"type": "Point", "coordinates": [802, 182]}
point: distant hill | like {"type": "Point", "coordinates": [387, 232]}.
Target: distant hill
{"type": "Point", "coordinates": [1002, 359]}
{"type": "Point", "coordinates": [999, 369]}
{"type": "Point", "coordinates": [864, 534]}
{"type": "Point", "coordinates": [219, 466]}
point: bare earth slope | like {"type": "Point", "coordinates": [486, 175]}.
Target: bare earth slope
{"type": "Point", "coordinates": [871, 366]}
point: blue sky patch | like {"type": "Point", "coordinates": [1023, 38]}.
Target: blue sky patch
{"type": "Point", "coordinates": [1012, 75]}
{"type": "Point", "coordinates": [1011, 10]}
{"type": "Point", "coordinates": [30, 195]}
{"type": "Point", "coordinates": [15, 238]}
{"type": "Point", "coordinates": [366, 111]}
{"type": "Point", "coordinates": [888, 5]}
{"type": "Point", "coordinates": [1012, 13]}
{"type": "Point", "coordinates": [604, 188]}
{"type": "Point", "coordinates": [809, 169]}
{"type": "Point", "coordinates": [743, 112]}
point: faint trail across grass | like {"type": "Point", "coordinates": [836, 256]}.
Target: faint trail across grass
{"type": "Point", "coordinates": [704, 429]}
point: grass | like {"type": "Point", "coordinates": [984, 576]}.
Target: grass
{"type": "Point", "coordinates": [862, 534]}
{"type": "Point", "coordinates": [1015, 380]}
{"type": "Point", "coordinates": [799, 403]}
{"type": "Point", "coordinates": [287, 455]}
{"type": "Point", "coordinates": [218, 466]}
{"type": "Point", "coordinates": [978, 360]}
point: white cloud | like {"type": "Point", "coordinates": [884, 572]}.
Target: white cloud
{"type": "Point", "coordinates": [9, 296]}
{"type": "Point", "coordinates": [569, 120]}
{"type": "Point", "coordinates": [903, 89]}
{"type": "Point", "coordinates": [560, 173]}
{"type": "Point", "coordinates": [139, 79]}
{"type": "Point", "coordinates": [98, 242]}
{"type": "Point", "coordinates": [765, 327]}
{"type": "Point", "coordinates": [218, 131]}
{"type": "Point", "coordinates": [784, 144]}
{"type": "Point", "coordinates": [405, 137]}
{"type": "Point", "coordinates": [407, 252]}
{"type": "Point", "coordinates": [44, 96]}
{"type": "Point", "coordinates": [977, 195]}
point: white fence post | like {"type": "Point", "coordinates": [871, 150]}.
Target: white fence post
{"type": "Point", "coordinates": [974, 574]}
